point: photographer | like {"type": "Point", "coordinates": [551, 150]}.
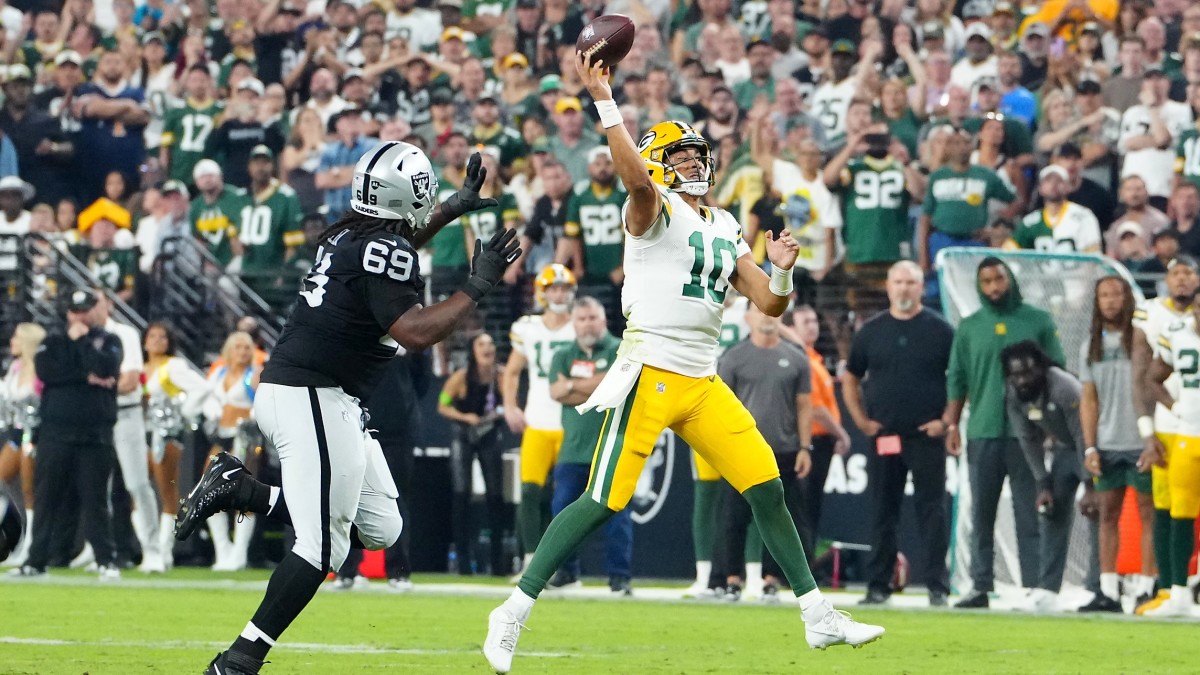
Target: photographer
{"type": "Point", "coordinates": [79, 370]}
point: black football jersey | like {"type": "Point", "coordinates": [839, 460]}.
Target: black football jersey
{"type": "Point", "coordinates": [337, 334]}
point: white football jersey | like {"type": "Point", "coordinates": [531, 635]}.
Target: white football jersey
{"type": "Point", "coordinates": [1154, 165]}
{"type": "Point", "coordinates": [830, 104]}
{"type": "Point", "coordinates": [532, 339]}
{"type": "Point", "coordinates": [1076, 230]}
{"type": "Point", "coordinates": [676, 278]}
{"type": "Point", "coordinates": [1159, 319]}
{"type": "Point", "coordinates": [1180, 349]}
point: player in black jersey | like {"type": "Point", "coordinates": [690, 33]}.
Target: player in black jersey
{"type": "Point", "coordinates": [360, 301]}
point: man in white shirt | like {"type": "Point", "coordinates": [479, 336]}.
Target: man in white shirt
{"type": "Point", "coordinates": [14, 218]}
{"type": "Point", "coordinates": [1148, 133]}
{"type": "Point", "coordinates": [168, 219]}
{"type": "Point", "coordinates": [979, 62]}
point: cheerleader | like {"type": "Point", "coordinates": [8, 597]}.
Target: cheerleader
{"type": "Point", "coordinates": [19, 400]}
{"type": "Point", "coordinates": [174, 393]}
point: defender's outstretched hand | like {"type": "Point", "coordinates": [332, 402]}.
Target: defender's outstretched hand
{"type": "Point", "coordinates": [489, 262]}
{"type": "Point", "coordinates": [467, 199]}
{"type": "Point", "coordinates": [782, 250]}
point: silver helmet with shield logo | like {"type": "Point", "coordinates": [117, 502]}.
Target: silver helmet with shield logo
{"type": "Point", "coordinates": [395, 181]}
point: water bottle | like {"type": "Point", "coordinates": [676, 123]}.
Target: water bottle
{"type": "Point", "coordinates": [452, 560]}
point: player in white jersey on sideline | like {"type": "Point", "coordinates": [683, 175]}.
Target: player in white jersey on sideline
{"type": "Point", "coordinates": [680, 260]}
{"type": "Point", "coordinates": [534, 339]}
{"type": "Point", "coordinates": [1154, 321]}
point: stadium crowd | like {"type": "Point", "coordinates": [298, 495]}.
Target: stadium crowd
{"type": "Point", "coordinates": [876, 131]}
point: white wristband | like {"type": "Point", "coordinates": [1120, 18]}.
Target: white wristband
{"type": "Point", "coordinates": [610, 115]}
{"type": "Point", "coordinates": [1089, 451]}
{"type": "Point", "coordinates": [781, 282]}
{"type": "Point", "coordinates": [1145, 425]}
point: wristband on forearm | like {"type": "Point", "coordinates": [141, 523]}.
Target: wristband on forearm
{"type": "Point", "coordinates": [476, 288]}
{"type": "Point", "coordinates": [1145, 425]}
{"type": "Point", "coordinates": [781, 282]}
{"type": "Point", "coordinates": [610, 114]}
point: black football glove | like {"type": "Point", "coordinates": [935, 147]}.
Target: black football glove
{"type": "Point", "coordinates": [489, 262]}
{"type": "Point", "coordinates": [467, 199]}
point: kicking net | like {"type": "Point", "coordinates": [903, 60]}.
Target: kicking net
{"type": "Point", "coordinates": [1063, 285]}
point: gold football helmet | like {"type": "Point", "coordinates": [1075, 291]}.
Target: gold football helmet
{"type": "Point", "coordinates": [553, 275]}
{"type": "Point", "coordinates": [665, 138]}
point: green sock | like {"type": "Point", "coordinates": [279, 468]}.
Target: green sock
{"type": "Point", "coordinates": [704, 517]}
{"type": "Point", "coordinates": [566, 532]}
{"type": "Point", "coordinates": [1162, 546]}
{"type": "Point", "coordinates": [779, 534]}
{"type": "Point", "coordinates": [529, 516]}
{"type": "Point", "coordinates": [754, 543]}
{"type": "Point", "coordinates": [1183, 542]}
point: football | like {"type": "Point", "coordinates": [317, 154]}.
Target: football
{"type": "Point", "coordinates": [609, 38]}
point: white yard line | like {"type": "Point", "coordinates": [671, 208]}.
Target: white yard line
{"type": "Point", "coordinates": [289, 646]}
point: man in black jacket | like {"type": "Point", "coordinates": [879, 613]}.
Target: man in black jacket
{"type": "Point", "coordinates": [79, 370]}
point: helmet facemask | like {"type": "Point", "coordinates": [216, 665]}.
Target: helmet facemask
{"type": "Point", "coordinates": [681, 183]}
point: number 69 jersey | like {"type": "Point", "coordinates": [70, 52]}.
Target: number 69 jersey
{"type": "Point", "coordinates": [337, 333]}
{"type": "Point", "coordinates": [676, 278]}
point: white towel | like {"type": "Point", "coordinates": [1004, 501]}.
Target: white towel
{"type": "Point", "coordinates": [615, 386]}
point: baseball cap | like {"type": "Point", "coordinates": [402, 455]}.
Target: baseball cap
{"type": "Point", "coordinates": [1037, 28]}
{"type": "Point", "coordinates": [598, 151]}
{"type": "Point", "coordinates": [568, 103]}
{"type": "Point", "coordinates": [487, 97]}
{"type": "Point", "coordinates": [932, 30]}
{"type": "Point", "coordinates": [1087, 87]}
{"type": "Point", "coordinates": [1053, 170]}
{"type": "Point", "coordinates": [1003, 7]}
{"type": "Point", "coordinates": [261, 150]}
{"type": "Point", "coordinates": [1184, 259]}
{"type": "Point", "coordinates": [1127, 228]}
{"type": "Point", "coordinates": [756, 41]}
{"type": "Point", "coordinates": [17, 71]}
{"type": "Point", "coordinates": [1155, 70]}
{"type": "Point", "coordinates": [1091, 27]}
{"type": "Point", "coordinates": [989, 83]}
{"type": "Point", "coordinates": [514, 59]}
{"type": "Point", "coordinates": [252, 84]}
{"type": "Point", "coordinates": [1164, 234]}
{"type": "Point", "coordinates": [153, 36]}
{"type": "Point", "coordinates": [977, 9]}
{"type": "Point", "coordinates": [978, 30]}
{"type": "Point", "coordinates": [453, 33]}
{"type": "Point", "coordinates": [206, 167]}
{"type": "Point", "coordinates": [441, 96]}
{"type": "Point", "coordinates": [68, 56]}
{"type": "Point", "coordinates": [550, 83]}
{"type": "Point", "coordinates": [81, 300]}
{"type": "Point", "coordinates": [1067, 150]}
{"type": "Point", "coordinates": [351, 74]}
{"type": "Point", "coordinates": [174, 186]}
{"type": "Point", "coordinates": [844, 47]}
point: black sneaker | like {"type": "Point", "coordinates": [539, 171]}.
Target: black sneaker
{"type": "Point", "coordinates": [1102, 603]}
{"type": "Point", "coordinates": [620, 586]}
{"type": "Point", "coordinates": [230, 663]}
{"type": "Point", "coordinates": [219, 489]}
{"type": "Point", "coordinates": [10, 528]}
{"type": "Point", "coordinates": [28, 572]}
{"type": "Point", "coordinates": [733, 593]}
{"type": "Point", "coordinates": [937, 599]}
{"type": "Point", "coordinates": [770, 594]}
{"type": "Point", "coordinates": [973, 600]}
{"type": "Point", "coordinates": [562, 581]}
{"type": "Point", "coordinates": [875, 597]}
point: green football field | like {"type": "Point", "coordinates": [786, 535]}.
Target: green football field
{"type": "Point", "coordinates": [71, 624]}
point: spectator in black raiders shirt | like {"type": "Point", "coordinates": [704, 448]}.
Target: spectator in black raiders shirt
{"type": "Point", "coordinates": [241, 130]}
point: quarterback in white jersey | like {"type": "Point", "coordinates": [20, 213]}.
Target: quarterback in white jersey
{"type": "Point", "coordinates": [534, 339]}
{"type": "Point", "coordinates": [681, 258]}
{"type": "Point", "coordinates": [1155, 323]}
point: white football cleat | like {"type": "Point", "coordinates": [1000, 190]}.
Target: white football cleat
{"type": "Point", "coordinates": [401, 585]}
{"type": "Point", "coordinates": [110, 573]}
{"type": "Point", "coordinates": [504, 628]}
{"type": "Point", "coordinates": [1038, 601]}
{"type": "Point", "coordinates": [152, 563]}
{"type": "Point", "coordinates": [1179, 604]}
{"type": "Point", "coordinates": [85, 560]}
{"type": "Point", "coordinates": [835, 627]}
{"type": "Point", "coordinates": [700, 590]}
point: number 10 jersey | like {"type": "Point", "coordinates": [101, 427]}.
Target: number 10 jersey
{"type": "Point", "coordinates": [676, 277]}
{"type": "Point", "coordinates": [337, 335]}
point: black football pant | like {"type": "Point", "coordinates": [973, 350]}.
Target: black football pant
{"type": "Point", "coordinates": [925, 457]}
{"type": "Point", "coordinates": [736, 515]}
{"type": "Point", "coordinates": [82, 469]}
{"type": "Point", "coordinates": [814, 492]}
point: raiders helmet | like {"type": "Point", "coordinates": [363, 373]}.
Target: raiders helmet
{"type": "Point", "coordinates": [395, 181]}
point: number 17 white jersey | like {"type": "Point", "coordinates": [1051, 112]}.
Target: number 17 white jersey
{"type": "Point", "coordinates": [533, 339]}
{"type": "Point", "coordinates": [676, 278]}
